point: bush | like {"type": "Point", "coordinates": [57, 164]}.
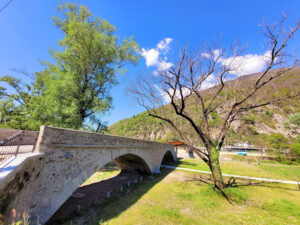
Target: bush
{"type": "Point", "coordinates": [297, 139]}
{"type": "Point", "coordinates": [284, 160]}
{"type": "Point", "coordinates": [253, 130]}
{"type": "Point", "coordinates": [269, 113]}
{"type": "Point", "coordinates": [295, 119]}
{"type": "Point", "coordinates": [278, 141]}
{"type": "Point", "coordinates": [250, 119]}
{"type": "Point", "coordinates": [286, 125]}
{"type": "Point", "coordinates": [295, 148]}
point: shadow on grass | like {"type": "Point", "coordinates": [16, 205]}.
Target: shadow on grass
{"type": "Point", "coordinates": [179, 162]}
{"type": "Point", "coordinates": [269, 185]}
{"type": "Point", "coordinates": [122, 201]}
{"type": "Point", "coordinates": [231, 181]}
{"type": "Point", "coordinates": [95, 207]}
{"type": "Point", "coordinates": [207, 179]}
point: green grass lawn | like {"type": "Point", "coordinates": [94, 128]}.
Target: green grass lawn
{"type": "Point", "coordinates": [108, 171]}
{"type": "Point", "coordinates": [100, 175]}
{"type": "Point", "coordinates": [178, 198]}
{"type": "Point", "coordinates": [265, 170]}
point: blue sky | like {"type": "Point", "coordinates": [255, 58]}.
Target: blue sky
{"type": "Point", "coordinates": [27, 32]}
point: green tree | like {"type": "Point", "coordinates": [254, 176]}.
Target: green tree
{"type": "Point", "coordinates": [295, 119]}
{"type": "Point", "coordinates": [278, 141]}
{"type": "Point", "coordinates": [74, 89]}
{"type": "Point", "coordinates": [293, 123]}
{"type": "Point", "coordinates": [295, 148]}
{"type": "Point", "coordinates": [14, 111]}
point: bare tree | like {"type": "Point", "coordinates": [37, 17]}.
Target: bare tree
{"type": "Point", "coordinates": [185, 85]}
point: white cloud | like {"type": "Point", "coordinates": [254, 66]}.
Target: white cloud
{"type": "Point", "coordinates": [205, 54]}
{"type": "Point", "coordinates": [215, 54]}
{"type": "Point", "coordinates": [162, 93]}
{"type": "Point", "coordinates": [247, 64]}
{"type": "Point", "coordinates": [155, 73]}
{"type": "Point", "coordinates": [153, 56]}
{"type": "Point", "coordinates": [242, 65]}
{"type": "Point", "coordinates": [164, 44]}
{"type": "Point", "coordinates": [209, 82]}
{"type": "Point", "coordinates": [185, 92]}
{"type": "Point", "coordinates": [162, 65]}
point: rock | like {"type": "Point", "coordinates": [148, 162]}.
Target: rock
{"type": "Point", "coordinates": [78, 195]}
{"type": "Point", "coordinates": [123, 178]}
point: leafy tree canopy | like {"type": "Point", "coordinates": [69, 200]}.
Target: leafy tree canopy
{"type": "Point", "coordinates": [74, 89]}
{"type": "Point", "coordinates": [278, 141]}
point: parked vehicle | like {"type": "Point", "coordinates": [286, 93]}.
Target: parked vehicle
{"type": "Point", "coordinates": [242, 152]}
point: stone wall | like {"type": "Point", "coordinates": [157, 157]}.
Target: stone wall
{"type": "Point", "coordinates": [70, 157]}
{"type": "Point", "coordinates": [19, 183]}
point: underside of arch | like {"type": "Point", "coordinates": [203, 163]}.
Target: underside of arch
{"type": "Point", "coordinates": [130, 162]}
{"type": "Point", "coordinates": [168, 158]}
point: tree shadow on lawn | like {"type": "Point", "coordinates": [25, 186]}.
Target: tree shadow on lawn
{"type": "Point", "coordinates": [179, 163]}
{"type": "Point", "coordinates": [236, 182]}
{"type": "Point", "coordinates": [95, 207]}
{"type": "Point", "coordinates": [270, 185]}
{"type": "Point", "coordinates": [122, 201]}
{"type": "Point", "coordinates": [232, 182]}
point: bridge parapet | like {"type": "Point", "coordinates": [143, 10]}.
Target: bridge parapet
{"type": "Point", "coordinates": [52, 136]}
{"type": "Point", "coordinates": [70, 157]}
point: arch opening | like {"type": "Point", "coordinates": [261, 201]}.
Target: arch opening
{"type": "Point", "coordinates": [133, 163]}
{"type": "Point", "coordinates": [168, 158]}
{"type": "Point", "coordinates": [113, 177]}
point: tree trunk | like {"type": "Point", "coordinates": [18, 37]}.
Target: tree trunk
{"type": "Point", "coordinates": [82, 114]}
{"type": "Point", "coordinates": [216, 169]}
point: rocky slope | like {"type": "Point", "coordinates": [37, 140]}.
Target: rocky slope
{"type": "Point", "coordinates": [253, 127]}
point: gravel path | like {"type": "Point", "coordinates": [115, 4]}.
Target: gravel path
{"type": "Point", "coordinates": [236, 176]}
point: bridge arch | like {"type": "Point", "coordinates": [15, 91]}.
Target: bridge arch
{"type": "Point", "coordinates": [75, 171]}
{"type": "Point", "coordinates": [168, 157]}
{"type": "Point", "coordinates": [70, 157]}
{"type": "Point", "coordinates": [132, 162]}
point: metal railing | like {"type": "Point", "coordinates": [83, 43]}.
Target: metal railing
{"type": "Point", "coordinates": [19, 143]}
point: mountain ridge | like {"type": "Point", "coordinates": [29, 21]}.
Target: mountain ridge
{"type": "Point", "coordinates": [254, 128]}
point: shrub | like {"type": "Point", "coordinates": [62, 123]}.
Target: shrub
{"type": "Point", "coordinates": [295, 119]}
{"type": "Point", "coordinates": [278, 141]}
{"type": "Point", "coordinates": [249, 119]}
{"type": "Point", "coordinates": [295, 148]}
{"type": "Point", "coordinates": [286, 125]}
{"type": "Point", "coordinates": [269, 113]}
{"type": "Point", "coordinates": [253, 130]}
{"type": "Point", "coordinates": [297, 139]}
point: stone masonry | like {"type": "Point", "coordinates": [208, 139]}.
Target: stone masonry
{"type": "Point", "coordinates": [63, 160]}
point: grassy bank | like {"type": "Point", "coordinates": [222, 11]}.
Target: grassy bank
{"type": "Point", "coordinates": [180, 199]}
{"type": "Point", "coordinates": [177, 197]}
{"type": "Point", "coordinates": [265, 170]}
{"type": "Point", "coordinates": [101, 175]}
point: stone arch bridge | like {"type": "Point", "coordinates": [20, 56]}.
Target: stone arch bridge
{"type": "Point", "coordinates": [63, 159]}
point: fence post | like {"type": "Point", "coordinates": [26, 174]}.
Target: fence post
{"type": "Point", "coordinates": [35, 140]}
{"type": "Point", "coordinates": [17, 151]}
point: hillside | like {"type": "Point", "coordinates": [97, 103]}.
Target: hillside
{"type": "Point", "coordinates": [253, 127]}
